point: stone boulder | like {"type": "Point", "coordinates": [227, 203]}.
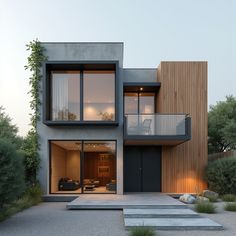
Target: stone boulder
{"type": "Point", "coordinates": [187, 198]}
{"type": "Point", "coordinates": [202, 199]}
{"type": "Point", "coordinates": [210, 194]}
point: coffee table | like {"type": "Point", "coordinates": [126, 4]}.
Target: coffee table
{"type": "Point", "coordinates": [89, 187]}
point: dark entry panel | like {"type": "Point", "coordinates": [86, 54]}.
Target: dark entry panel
{"type": "Point", "coordinates": [132, 170]}
{"type": "Point", "coordinates": [151, 169]}
{"type": "Point", "coordinates": [142, 169]}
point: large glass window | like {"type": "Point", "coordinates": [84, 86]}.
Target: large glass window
{"type": "Point", "coordinates": [99, 95]}
{"type": "Point", "coordinates": [98, 92]}
{"type": "Point", "coordinates": [139, 103]}
{"type": "Point", "coordinates": [65, 166]}
{"type": "Point", "coordinates": [131, 103]}
{"type": "Point", "coordinates": [83, 166]}
{"type": "Point", "coordinates": [99, 167]}
{"type": "Point", "coordinates": [146, 103]}
{"type": "Point", "coordinates": [140, 107]}
{"type": "Point", "coordinates": [66, 95]}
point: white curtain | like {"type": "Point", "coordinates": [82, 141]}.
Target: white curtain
{"type": "Point", "coordinates": [65, 96]}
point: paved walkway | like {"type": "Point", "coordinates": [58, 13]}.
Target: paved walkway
{"type": "Point", "coordinates": [132, 200]}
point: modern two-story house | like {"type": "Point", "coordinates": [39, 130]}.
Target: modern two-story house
{"type": "Point", "coordinates": [108, 129]}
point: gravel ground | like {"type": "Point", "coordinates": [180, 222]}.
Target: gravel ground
{"type": "Point", "coordinates": [225, 218]}
{"type": "Point", "coordinates": [52, 219]}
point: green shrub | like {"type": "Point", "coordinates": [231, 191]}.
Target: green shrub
{"type": "Point", "coordinates": [212, 198]}
{"type": "Point", "coordinates": [205, 207]}
{"type": "Point", "coordinates": [142, 231]}
{"type": "Point", "coordinates": [32, 196]}
{"type": "Point", "coordinates": [31, 157]}
{"type": "Point", "coordinates": [229, 198]}
{"type": "Point", "coordinates": [221, 176]}
{"type": "Point", "coordinates": [230, 207]}
{"type": "Point", "coordinates": [34, 193]}
{"type": "Point", "coordinates": [11, 173]}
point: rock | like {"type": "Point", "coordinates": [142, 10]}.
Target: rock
{"type": "Point", "coordinates": [187, 198]}
{"type": "Point", "coordinates": [202, 199]}
{"type": "Point", "coordinates": [210, 194]}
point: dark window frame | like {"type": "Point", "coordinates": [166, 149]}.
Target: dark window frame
{"type": "Point", "coordinates": [50, 66]}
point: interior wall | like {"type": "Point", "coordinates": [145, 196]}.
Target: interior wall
{"type": "Point", "coordinates": [73, 165]}
{"type": "Point", "coordinates": [184, 90]}
{"type": "Point", "coordinates": [58, 163]}
{"type": "Point", "coordinates": [92, 162]}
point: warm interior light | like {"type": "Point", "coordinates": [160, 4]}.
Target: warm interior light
{"type": "Point", "coordinates": [141, 89]}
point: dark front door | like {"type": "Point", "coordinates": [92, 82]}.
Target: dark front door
{"type": "Point", "coordinates": [142, 169]}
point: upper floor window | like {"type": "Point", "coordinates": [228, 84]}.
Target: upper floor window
{"type": "Point", "coordinates": [66, 95]}
{"type": "Point", "coordinates": [79, 94]}
{"type": "Point", "coordinates": [99, 95]}
{"type": "Point", "coordinates": [139, 103]}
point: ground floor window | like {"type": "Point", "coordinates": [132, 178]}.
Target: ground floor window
{"type": "Point", "coordinates": [82, 166]}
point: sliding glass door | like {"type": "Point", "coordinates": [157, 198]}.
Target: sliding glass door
{"type": "Point", "coordinates": [99, 167]}
{"type": "Point", "coordinates": [139, 107]}
{"type": "Point", "coordinates": [82, 167]}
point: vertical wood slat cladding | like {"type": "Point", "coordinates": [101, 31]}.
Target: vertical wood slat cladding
{"type": "Point", "coordinates": [184, 90]}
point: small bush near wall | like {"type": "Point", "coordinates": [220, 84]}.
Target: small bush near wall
{"type": "Point", "coordinates": [142, 231]}
{"type": "Point", "coordinates": [229, 198]}
{"type": "Point", "coordinates": [230, 207]}
{"type": "Point", "coordinates": [205, 207]}
{"type": "Point", "coordinates": [32, 196]}
{"type": "Point", "coordinates": [221, 176]}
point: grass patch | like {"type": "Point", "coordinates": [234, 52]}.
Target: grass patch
{"type": "Point", "coordinates": [31, 197]}
{"type": "Point", "coordinates": [229, 198]}
{"type": "Point", "coordinates": [142, 231]}
{"type": "Point", "coordinates": [230, 206]}
{"type": "Point", "coordinates": [205, 207]}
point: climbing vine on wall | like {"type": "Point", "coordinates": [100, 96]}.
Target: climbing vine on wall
{"type": "Point", "coordinates": [31, 143]}
{"type": "Point", "coordinates": [34, 64]}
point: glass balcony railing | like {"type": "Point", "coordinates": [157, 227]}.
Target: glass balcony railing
{"type": "Point", "coordinates": [157, 125]}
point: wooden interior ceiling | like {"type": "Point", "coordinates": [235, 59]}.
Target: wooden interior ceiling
{"type": "Point", "coordinates": [93, 146]}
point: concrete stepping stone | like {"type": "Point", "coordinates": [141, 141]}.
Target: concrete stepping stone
{"type": "Point", "coordinates": [173, 223]}
{"type": "Point", "coordinates": [159, 213]}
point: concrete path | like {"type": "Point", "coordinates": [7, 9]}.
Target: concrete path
{"type": "Point", "coordinates": [134, 200]}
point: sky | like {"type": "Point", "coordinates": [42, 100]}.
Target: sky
{"type": "Point", "coordinates": [152, 31]}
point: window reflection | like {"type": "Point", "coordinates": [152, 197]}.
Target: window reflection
{"type": "Point", "coordinates": [99, 95]}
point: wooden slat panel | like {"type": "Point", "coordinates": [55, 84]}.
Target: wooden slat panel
{"type": "Point", "coordinates": [184, 90]}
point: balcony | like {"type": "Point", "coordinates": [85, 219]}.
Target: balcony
{"type": "Point", "coordinates": [157, 129]}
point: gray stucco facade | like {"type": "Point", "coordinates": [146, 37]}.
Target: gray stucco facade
{"type": "Point", "coordinates": [82, 52]}
{"type": "Point", "coordinates": [88, 52]}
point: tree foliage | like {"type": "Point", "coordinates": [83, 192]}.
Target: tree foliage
{"type": "Point", "coordinates": [9, 130]}
{"type": "Point", "coordinates": [11, 172]}
{"type": "Point", "coordinates": [222, 126]}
